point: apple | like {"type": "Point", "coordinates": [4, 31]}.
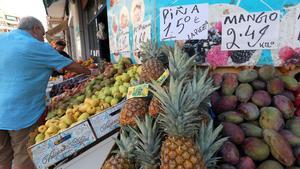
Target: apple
{"type": "Point", "coordinates": [39, 138]}
{"type": "Point", "coordinates": [114, 101]}
{"type": "Point", "coordinates": [42, 129]}
{"type": "Point", "coordinates": [62, 125]}
{"type": "Point", "coordinates": [83, 117]}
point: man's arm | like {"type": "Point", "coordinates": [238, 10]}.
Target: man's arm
{"type": "Point", "coordinates": [77, 68]}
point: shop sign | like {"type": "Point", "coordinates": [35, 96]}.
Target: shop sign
{"type": "Point", "coordinates": [107, 121]}
{"type": "Point", "coordinates": [59, 147]}
{"type": "Point", "coordinates": [297, 28]}
{"type": "Point", "coordinates": [142, 33]}
{"type": "Point", "coordinates": [185, 22]}
{"type": "Point", "coordinates": [138, 91]}
{"type": "Point", "coordinates": [248, 31]}
{"type": "Point", "coordinates": [124, 40]}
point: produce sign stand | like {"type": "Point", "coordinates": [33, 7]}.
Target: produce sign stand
{"type": "Point", "coordinates": [106, 123]}
{"type": "Point", "coordinates": [62, 145]}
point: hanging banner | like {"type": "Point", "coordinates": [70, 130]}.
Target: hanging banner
{"type": "Point", "coordinates": [250, 31]}
{"type": "Point", "coordinates": [141, 33]}
{"type": "Point", "coordinates": [185, 22]}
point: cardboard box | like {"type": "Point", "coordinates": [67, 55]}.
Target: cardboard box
{"type": "Point", "coordinates": [107, 122]}
{"type": "Point", "coordinates": [62, 145]}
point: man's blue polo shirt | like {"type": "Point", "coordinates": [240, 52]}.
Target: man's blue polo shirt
{"type": "Point", "coordinates": [25, 67]}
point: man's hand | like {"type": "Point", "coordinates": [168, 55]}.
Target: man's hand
{"type": "Point", "coordinates": [77, 68]}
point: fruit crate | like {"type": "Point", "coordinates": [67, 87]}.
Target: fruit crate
{"type": "Point", "coordinates": [61, 146]}
{"type": "Point", "coordinates": [106, 123]}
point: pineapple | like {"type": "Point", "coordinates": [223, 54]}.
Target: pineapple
{"type": "Point", "coordinates": [135, 107]}
{"type": "Point", "coordinates": [154, 107]}
{"type": "Point", "coordinates": [209, 143]}
{"type": "Point", "coordinates": [152, 66]}
{"type": "Point", "coordinates": [181, 120]}
{"type": "Point", "coordinates": [123, 157]}
{"type": "Point", "coordinates": [149, 142]}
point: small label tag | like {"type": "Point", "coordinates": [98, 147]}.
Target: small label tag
{"type": "Point", "coordinates": [163, 77]}
{"type": "Point", "coordinates": [138, 91]}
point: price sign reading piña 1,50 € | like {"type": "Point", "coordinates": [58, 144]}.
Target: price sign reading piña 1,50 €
{"type": "Point", "coordinates": [248, 31]}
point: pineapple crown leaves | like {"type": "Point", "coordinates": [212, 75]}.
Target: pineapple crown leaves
{"type": "Point", "coordinates": [179, 62]}
{"type": "Point", "coordinates": [149, 141]}
{"type": "Point", "coordinates": [209, 142]}
{"type": "Point", "coordinates": [150, 50]}
{"type": "Point", "coordinates": [179, 117]}
{"type": "Point", "coordinates": [126, 143]}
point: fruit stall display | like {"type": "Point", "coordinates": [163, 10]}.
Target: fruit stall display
{"type": "Point", "coordinates": [88, 98]}
{"type": "Point", "coordinates": [171, 127]}
{"type": "Point", "coordinates": [258, 111]}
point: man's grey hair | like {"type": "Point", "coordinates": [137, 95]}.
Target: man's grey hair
{"type": "Point", "coordinates": [28, 23]}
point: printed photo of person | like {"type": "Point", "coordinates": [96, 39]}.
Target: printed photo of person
{"type": "Point", "coordinates": [137, 12]}
{"type": "Point", "coordinates": [124, 18]}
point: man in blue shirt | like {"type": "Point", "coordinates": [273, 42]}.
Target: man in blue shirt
{"type": "Point", "coordinates": [26, 63]}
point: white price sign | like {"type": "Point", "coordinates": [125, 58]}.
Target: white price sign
{"type": "Point", "coordinates": [297, 28]}
{"type": "Point", "coordinates": [248, 31]}
{"type": "Point", "coordinates": [142, 33]}
{"type": "Point", "coordinates": [124, 41]}
{"type": "Point", "coordinates": [184, 22]}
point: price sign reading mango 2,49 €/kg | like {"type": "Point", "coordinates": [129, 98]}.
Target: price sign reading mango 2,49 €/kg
{"type": "Point", "coordinates": [249, 31]}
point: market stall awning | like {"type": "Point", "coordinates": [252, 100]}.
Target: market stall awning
{"type": "Point", "coordinates": [61, 27]}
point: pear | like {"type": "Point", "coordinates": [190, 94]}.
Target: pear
{"type": "Point", "coordinates": [39, 138]}
{"type": "Point", "coordinates": [106, 105]}
{"type": "Point", "coordinates": [94, 102]}
{"type": "Point", "coordinates": [83, 117]}
{"type": "Point", "coordinates": [52, 130]}
{"type": "Point", "coordinates": [67, 119]}
{"type": "Point", "coordinates": [114, 90]}
{"type": "Point", "coordinates": [126, 84]}
{"type": "Point", "coordinates": [108, 99]}
{"type": "Point", "coordinates": [123, 89]}
{"type": "Point", "coordinates": [76, 115]}
{"type": "Point", "coordinates": [75, 108]}
{"type": "Point", "coordinates": [118, 95]}
{"type": "Point", "coordinates": [87, 100]}
{"type": "Point", "coordinates": [42, 129]}
{"type": "Point", "coordinates": [107, 91]}
{"type": "Point", "coordinates": [62, 125]}
{"type": "Point", "coordinates": [52, 122]}
{"type": "Point", "coordinates": [125, 77]}
{"type": "Point", "coordinates": [118, 78]}
{"type": "Point", "coordinates": [101, 96]}
{"type": "Point", "coordinates": [69, 111]}
{"type": "Point", "coordinates": [60, 112]}
{"type": "Point", "coordinates": [91, 110]}
{"type": "Point", "coordinates": [114, 101]}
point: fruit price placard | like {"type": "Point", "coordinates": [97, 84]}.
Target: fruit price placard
{"type": "Point", "coordinates": [107, 121]}
{"type": "Point", "coordinates": [138, 91]}
{"type": "Point", "coordinates": [248, 31]}
{"type": "Point", "coordinates": [163, 77]}
{"type": "Point", "coordinates": [62, 145]}
{"type": "Point", "coordinates": [184, 22]}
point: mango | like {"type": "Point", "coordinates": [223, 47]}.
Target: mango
{"type": "Point", "coordinates": [294, 126]}
{"type": "Point", "coordinates": [230, 83]}
{"type": "Point", "coordinates": [280, 149]}
{"type": "Point", "coordinates": [258, 85]}
{"type": "Point", "coordinates": [290, 83]}
{"type": "Point", "coordinates": [266, 72]}
{"type": "Point", "coordinates": [231, 116]}
{"type": "Point", "coordinates": [285, 105]}
{"type": "Point", "coordinates": [214, 98]}
{"type": "Point", "coordinates": [289, 95]}
{"type": "Point", "coordinates": [270, 164]}
{"type": "Point", "coordinates": [255, 148]}
{"type": "Point", "coordinates": [271, 118]}
{"type": "Point", "coordinates": [244, 92]}
{"type": "Point", "coordinates": [227, 166]}
{"type": "Point", "coordinates": [292, 139]}
{"type": "Point", "coordinates": [247, 75]}
{"type": "Point", "coordinates": [234, 132]}
{"type": "Point", "coordinates": [251, 130]}
{"type": "Point", "coordinates": [261, 98]}
{"type": "Point", "coordinates": [275, 86]}
{"type": "Point", "coordinates": [249, 111]}
{"type": "Point", "coordinates": [226, 103]}
{"type": "Point", "coordinates": [217, 79]}
{"type": "Point", "coordinates": [230, 153]}
{"type": "Point", "coordinates": [246, 163]}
